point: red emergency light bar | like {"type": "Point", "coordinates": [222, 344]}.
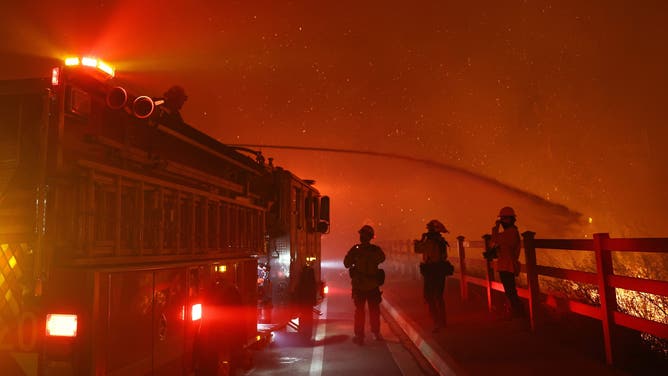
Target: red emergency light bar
{"type": "Point", "coordinates": [88, 61]}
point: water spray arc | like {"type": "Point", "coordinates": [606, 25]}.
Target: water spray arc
{"type": "Point", "coordinates": [562, 209]}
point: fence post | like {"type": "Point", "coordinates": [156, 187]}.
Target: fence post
{"type": "Point", "coordinates": [407, 265]}
{"type": "Point", "coordinates": [490, 272]}
{"type": "Point", "coordinates": [532, 276]}
{"type": "Point", "coordinates": [414, 260]}
{"type": "Point", "coordinates": [462, 268]}
{"type": "Point", "coordinates": [605, 291]}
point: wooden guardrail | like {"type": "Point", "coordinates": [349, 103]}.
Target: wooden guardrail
{"type": "Point", "coordinates": [604, 281]}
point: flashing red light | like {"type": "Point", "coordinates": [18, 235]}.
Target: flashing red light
{"type": "Point", "coordinates": [325, 290]}
{"type": "Point", "coordinates": [55, 76]}
{"type": "Point", "coordinates": [196, 312]}
{"type": "Point", "coordinates": [61, 325]}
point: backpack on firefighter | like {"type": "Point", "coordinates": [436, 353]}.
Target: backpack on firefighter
{"type": "Point", "coordinates": [434, 259]}
{"type": "Point", "coordinates": [362, 268]}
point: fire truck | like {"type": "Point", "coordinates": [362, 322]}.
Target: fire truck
{"type": "Point", "coordinates": [115, 220]}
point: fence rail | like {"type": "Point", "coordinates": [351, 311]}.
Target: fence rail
{"type": "Point", "coordinates": [604, 281]}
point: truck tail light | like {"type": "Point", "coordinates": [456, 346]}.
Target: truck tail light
{"type": "Point", "coordinates": [196, 312]}
{"type": "Point", "coordinates": [61, 325]}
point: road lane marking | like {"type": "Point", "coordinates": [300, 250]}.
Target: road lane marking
{"type": "Point", "coordinates": [318, 350]}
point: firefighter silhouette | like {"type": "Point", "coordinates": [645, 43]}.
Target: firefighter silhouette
{"type": "Point", "coordinates": [175, 97]}
{"type": "Point", "coordinates": [508, 246]}
{"type": "Point", "coordinates": [434, 250]}
{"type": "Point", "coordinates": [362, 261]}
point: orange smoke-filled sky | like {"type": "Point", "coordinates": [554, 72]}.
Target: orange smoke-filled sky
{"type": "Point", "coordinates": [565, 100]}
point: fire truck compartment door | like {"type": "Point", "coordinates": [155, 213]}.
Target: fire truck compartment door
{"type": "Point", "coordinates": [169, 318]}
{"type": "Point", "coordinates": [129, 347]}
{"type": "Point", "coordinates": [146, 322]}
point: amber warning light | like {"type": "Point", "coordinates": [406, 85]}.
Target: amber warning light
{"type": "Point", "coordinates": [92, 62]}
{"type": "Point", "coordinates": [61, 325]}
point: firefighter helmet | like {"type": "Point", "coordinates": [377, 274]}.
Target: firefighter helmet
{"type": "Point", "coordinates": [436, 225]}
{"type": "Point", "coordinates": [507, 211]}
{"type": "Point", "coordinates": [366, 229]}
{"type": "Point", "coordinates": [176, 92]}
{"type": "Point", "coordinates": [175, 98]}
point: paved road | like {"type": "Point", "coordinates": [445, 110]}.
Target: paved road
{"type": "Point", "coordinates": [332, 352]}
{"type": "Point", "coordinates": [476, 342]}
